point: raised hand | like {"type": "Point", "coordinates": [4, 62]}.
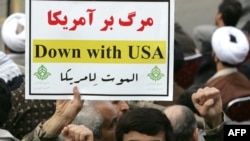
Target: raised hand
{"type": "Point", "coordinates": [77, 133]}
{"type": "Point", "coordinates": [208, 102]}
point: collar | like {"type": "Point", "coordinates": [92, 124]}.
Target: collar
{"type": "Point", "coordinates": [223, 72]}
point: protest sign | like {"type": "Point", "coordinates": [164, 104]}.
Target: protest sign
{"type": "Point", "coordinates": [116, 50]}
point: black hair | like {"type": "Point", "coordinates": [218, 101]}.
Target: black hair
{"type": "Point", "coordinates": [178, 57]}
{"type": "Point", "coordinates": [186, 97]}
{"type": "Point", "coordinates": [228, 64]}
{"type": "Point", "coordinates": [246, 28]}
{"type": "Point", "coordinates": [149, 121]}
{"type": "Point", "coordinates": [231, 11]}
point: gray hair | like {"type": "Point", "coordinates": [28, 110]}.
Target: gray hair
{"type": "Point", "coordinates": [183, 122]}
{"type": "Point", "coordinates": [91, 118]}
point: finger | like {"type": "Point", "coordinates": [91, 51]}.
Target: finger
{"type": "Point", "coordinates": [212, 92]}
{"type": "Point", "coordinates": [72, 132]}
{"type": "Point", "coordinates": [90, 138]}
{"type": "Point", "coordinates": [199, 97]}
{"type": "Point", "coordinates": [65, 131]}
{"type": "Point", "coordinates": [77, 133]}
{"type": "Point", "coordinates": [87, 135]}
{"type": "Point", "coordinates": [82, 137]}
{"type": "Point", "coordinates": [209, 103]}
{"type": "Point", "coordinates": [204, 109]}
{"type": "Point", "coordinates": [208, 93]}
{"type": "Point", "coordinates": [77, 136]}
{"type": "Point", "coordinates": [77, 95]}
{"type": "Point", "coordinates": [195, 97]}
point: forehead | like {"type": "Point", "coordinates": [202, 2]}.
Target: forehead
{"type": "Point", "coordinates": [106, 108]}
{"type": "Point", "coordinates": [136, 136]}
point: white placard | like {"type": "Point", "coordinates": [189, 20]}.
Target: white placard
{"type": "Point", "coordinates": [116, 50]}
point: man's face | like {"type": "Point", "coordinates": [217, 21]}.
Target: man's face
{"type": "Point", "coordinates": [110, 116]}
{"type": "Point", "coordinates": [136, 136]}
{"type": "Point", "coordinates": [111, 112]}
{"type": "Point", "coordinates": [121, 107]}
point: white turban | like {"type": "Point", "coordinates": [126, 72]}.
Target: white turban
{"type": "Point", "coordinates": [14, 40]}
{"type": "Point", "coordinates": [230, 45]}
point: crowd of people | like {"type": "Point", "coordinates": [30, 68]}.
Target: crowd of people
{"type": "Point", "coordinates": [195, 114]}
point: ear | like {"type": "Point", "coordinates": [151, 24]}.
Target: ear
{"type": "Point", "coordinates": [6, 49]}
{"type": "Point", "coordinates": [219, 16]}
{"type": "Point", "coordinates": [214, 57]}
{"type": "Point", "coordinates": [218, 19]}
{"type": "Point", "coordinates": [196, 134]}
{"type": "Point", "coordinates": [248, 37]}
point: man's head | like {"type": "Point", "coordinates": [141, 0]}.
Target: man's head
{"type": "Point", "coordinates": [101, 118]}
{"type": "Point", "coordinates": [229, 12]}
{"type": "Point", "coordinates": [230, 45]}
{"type": "Point", "coordinates": [13, 33]}
{"type": "Point", "coordinates": [110, 116]}
{"type": "Point", "coordinates": [183, 122]}
{"type": "Point", "coordinates": [144, 124]}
